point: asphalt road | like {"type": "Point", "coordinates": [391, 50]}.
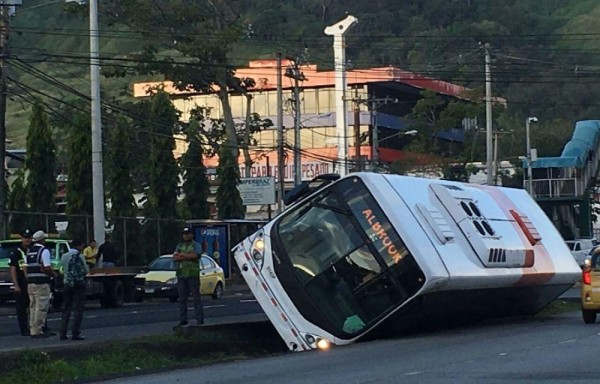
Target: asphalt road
{"type": "Point", "coordinates": [560, 349]}
{"type": "Point", "coordinates": [133, 316]}
{"type": "Point", "coordinates": [148, 312]}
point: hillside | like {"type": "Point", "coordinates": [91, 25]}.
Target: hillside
{"type": "Point", "coordinates": [545, 53]}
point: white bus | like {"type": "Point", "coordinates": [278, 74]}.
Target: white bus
{"type": "Point", "coordinates": [373, 250]}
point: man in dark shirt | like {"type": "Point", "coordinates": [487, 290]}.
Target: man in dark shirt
{"type": "Point", "coordinates": [17, 263]}
{"type": "Point", "coordinates": [107, 254]}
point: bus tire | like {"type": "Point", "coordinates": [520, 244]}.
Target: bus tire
{"type": "Point", "coordinates": [589, 316]}
{"type": "Point", "coordinates": [218, 292]}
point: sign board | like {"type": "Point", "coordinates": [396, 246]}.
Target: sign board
{"type": "Point", "coordinates": [257, 190]}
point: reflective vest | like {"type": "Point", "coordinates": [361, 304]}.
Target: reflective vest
{"type": "Point", "coordinates": [35, 271]}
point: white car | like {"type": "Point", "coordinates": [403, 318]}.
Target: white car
{"type": "Point", "coordinates": [580, 248]}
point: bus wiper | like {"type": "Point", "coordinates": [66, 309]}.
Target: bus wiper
{"type": "Point", "coordinates": [343, 211]}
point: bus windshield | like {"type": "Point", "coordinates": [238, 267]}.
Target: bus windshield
{"type": "Point", "coordinates": [351, 264]}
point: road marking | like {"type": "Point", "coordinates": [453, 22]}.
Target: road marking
{"type": "Point", "coordinates": [211, 306]}
{"type": "Point", "coordinates": [567, 341]}
{"type": "Point", "coordinates": [503, 354]}
{"type": "Point", "coordinates": [248, 301]}
{"type": "Point", "coordinates": [413, 373]}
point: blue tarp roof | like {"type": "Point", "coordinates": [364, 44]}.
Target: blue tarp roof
{"type": "Point", "coordinates": [585, 139]}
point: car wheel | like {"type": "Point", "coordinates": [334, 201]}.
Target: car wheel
{"type": "Point", "coordinates": [218, 293]}
{"type": "Point", "coordinates": [589, 317]}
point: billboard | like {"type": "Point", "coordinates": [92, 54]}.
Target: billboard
{"type": "Point", "coordinates": [213, 241]}
{"type": "Point", "coordinates": [257, 190]}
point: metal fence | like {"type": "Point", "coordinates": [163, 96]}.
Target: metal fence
{"type": "Point", "coordinates": [138, 240]}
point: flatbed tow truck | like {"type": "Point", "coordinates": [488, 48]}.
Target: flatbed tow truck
{"type": "Point", "coordinates": [111, 286]}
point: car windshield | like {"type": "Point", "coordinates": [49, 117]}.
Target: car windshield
{"type": "Point", "coordinates": [163, 264]}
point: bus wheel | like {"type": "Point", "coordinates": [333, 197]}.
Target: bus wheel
{"type": "Point", "coordinates": [589, 317]}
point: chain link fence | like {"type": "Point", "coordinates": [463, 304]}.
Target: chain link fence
{"type": "Point", "coordinates": [138, 240]}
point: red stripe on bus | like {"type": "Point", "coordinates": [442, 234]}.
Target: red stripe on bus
{"type": "Point", "coordinates": [255, 271]}
{"type": "Point", "coordinates": [294, 332]}
{"type": "Point", "coordinates": [274, 302]}
{"type": "Point", "coordinates": [247, 256]}
{"type": "Point", "coordinates": [284, 317]}
{"type": "Point", "coordinates": [543, 269]}
{"type": "Point", "coordinates": [264, 285]}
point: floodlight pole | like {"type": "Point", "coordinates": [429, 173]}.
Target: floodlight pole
{"type": "Point", "coordinates": [338, 32]}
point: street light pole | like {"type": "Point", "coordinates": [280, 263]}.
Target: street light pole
{"type": "Point", "coordinates": [528, 140]}
{"type": "Point", "coordinates": [488, 116]}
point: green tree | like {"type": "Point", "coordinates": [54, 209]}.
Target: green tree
{"type": "Point", "coordinates": [79, 170]}
{"type": "Point", "coordinates": [229, 202]}
{"type": "Point", "coordinates": [40, 165]}
{"type": "Point", "coordinates": [182, 27]}
{"type": "Point", "coordinates": [16, 202]}
{"type": "Point", "coordinates": [195, 182]}
{"type": "Point", "coordinates": [161, 195]}
{"type": "Point", "coordinates": [120, 191]}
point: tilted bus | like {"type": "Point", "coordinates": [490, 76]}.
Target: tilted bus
{"type": "Point", "coordinates": [373, 250]}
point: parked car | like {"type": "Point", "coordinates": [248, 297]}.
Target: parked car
{"type": "Point", "coordinates": [161, 279]}
{"type": "Point", "coordinates": [590, 288]}
{"type": "Point", "coordinates": [581, 248]}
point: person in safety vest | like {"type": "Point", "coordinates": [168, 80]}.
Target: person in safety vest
{"type": "Point", "coordinates": [18, 261]}
{"type": "Point", "coordinates": [39, 276]}
{"type": "Point", "coordinates": [187, 255]}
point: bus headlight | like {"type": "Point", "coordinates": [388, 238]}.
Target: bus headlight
{"type": "Point", "coordinates": [258, 249]}
{"type": "Point", "coordinates": [317, 342]}
{"type": "Point", "coordinates": [323, 344]}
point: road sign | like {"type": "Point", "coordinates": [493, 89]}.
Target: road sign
{"type": "Point", "coordinates": [257, 190]}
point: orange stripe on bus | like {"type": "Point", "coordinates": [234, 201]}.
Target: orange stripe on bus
{"type": "Point", "coordinates": [543, 269]}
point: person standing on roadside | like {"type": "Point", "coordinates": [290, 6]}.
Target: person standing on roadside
{"type": "Point", "coordinates": [91, 253]}
{"type": "Point", "coordinates": [187, 256]}
{"type": "Point", "coordinates": [107, 254]}
{"type": "Point", "coordinates": [75, 269]}
{"type": "Point", "coordinates": [18, 261]}
{"type": "Point", "coordinates": [39, 274]}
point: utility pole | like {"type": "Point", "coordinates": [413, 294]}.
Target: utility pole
{"type": "Point", "coordinates": [357, 136]}
{"type": "Point", "coordinates": [4, 27]}
{"type": "Point", "coordinates": [97, 175]}
{"type": "Point", "coordinates": [374, 104]}
{"type": "Point", "coordinates": [280, 157]}
{"type": "Point", "coordinates": [294, 72]}
{"type": "Point", "coordinates": [338, 31]}
{"type": "Point", "coordinates": [488, 116]}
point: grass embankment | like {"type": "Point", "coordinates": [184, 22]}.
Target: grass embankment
{"type": "Point", "coordinates": [560, 306]}
{"type": "Point", "coordinates": [149, 354]}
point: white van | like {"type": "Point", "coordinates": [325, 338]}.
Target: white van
{"type": "Point", "coordinates": [580, 248]}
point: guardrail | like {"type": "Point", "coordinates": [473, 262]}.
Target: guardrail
{"type": "Point", "coordinates": [554, 188]}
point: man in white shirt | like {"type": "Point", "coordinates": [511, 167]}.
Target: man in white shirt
{"type": "Point", "coordinates": [39, 273]}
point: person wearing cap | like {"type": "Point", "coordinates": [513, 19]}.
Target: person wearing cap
{"type": "Point", "coordinates": [18, 261]}
{"type": "Point", "coordinates": [187, 255]}
{"type": "Point", "coordinates": [39, 274]}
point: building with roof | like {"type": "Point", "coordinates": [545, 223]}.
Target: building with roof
{"type": "Point", "coordinates": [318, 144]}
